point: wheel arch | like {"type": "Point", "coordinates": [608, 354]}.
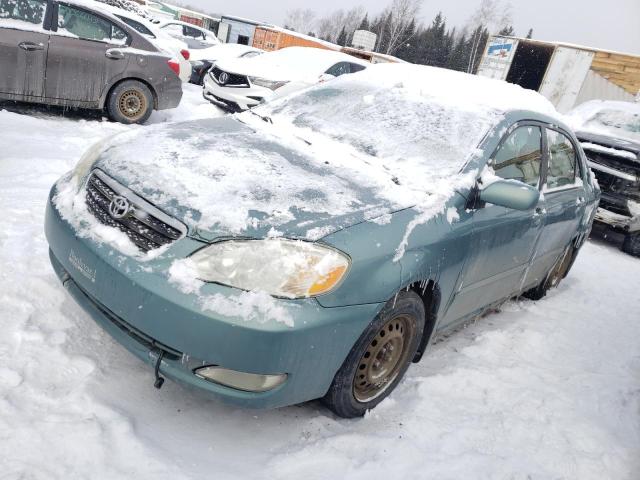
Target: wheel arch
{"type": "Point", "coordinates": [105, 98]}
{"type": "Point", "coordinates": [429, 292]}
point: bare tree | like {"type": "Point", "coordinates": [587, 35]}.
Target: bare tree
{"type": "Point", "coordinates": [330, 26]}
{"type": "Point", "coordinates": [491, 15]}
{"type": "Point", "coordinates": [399, 16]}
{"type": "Point", "coordinates": [301, 20]}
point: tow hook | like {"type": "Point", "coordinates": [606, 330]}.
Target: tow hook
{"type": "Point", "coordinates": [159, 380]}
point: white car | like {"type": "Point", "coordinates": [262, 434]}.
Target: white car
{"type": "Point", "coordinates": [241, 83]}
{"type": "Point", "coordinates": [203, 60]}
{"type": "Point", "coordinates": [195, 37]}
{"type": "Point", "coordinates": [178, 49]}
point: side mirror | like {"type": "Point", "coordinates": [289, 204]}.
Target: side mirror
{"type": "Point", "coordinates": [511, 194]}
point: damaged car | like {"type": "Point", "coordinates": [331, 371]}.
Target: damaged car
{"type": "Point", "coordinates": [609, 132]}
{"type": "Point", "coordinates": [312, 248]}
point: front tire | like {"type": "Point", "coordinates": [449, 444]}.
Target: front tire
{"type": "Point", "coordinates": [130, 102]}
{"type": "Point", "coordinates": [379, 359]}
{"type": "Point", "coordinates": [631, 244]}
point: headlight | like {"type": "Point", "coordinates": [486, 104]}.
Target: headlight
{"type": "Point", "coordinates": [279, 267]}
{"type": "Point", "coordinates": [263, 82]}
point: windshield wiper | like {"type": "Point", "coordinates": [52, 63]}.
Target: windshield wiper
{"type": "Point", "coordinates": [264, 118]}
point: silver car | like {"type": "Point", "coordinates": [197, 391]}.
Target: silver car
{"type": "Point", "coordinates": [78, 55]}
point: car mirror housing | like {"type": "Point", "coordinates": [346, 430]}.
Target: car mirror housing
{"type": "Point", "coordinates": [511, 194]}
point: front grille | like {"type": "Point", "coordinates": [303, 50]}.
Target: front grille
{"type": "Point", "coordinates": [146, 226]}
{"type": "Point", "coordinates": [233, 80]}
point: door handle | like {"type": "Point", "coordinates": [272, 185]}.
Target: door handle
{"type": "Point", "coordinates": [114, 54]}
{"type": "Point", "coordinates": [30, 46]}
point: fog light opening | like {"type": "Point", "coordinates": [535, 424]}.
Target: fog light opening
{"type": "Point", "coordinates": [247, 382]}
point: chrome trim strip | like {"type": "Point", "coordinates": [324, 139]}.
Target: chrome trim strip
{"type": "Point", "coordinates": [611, 171]}
{"type": "Point", "coordinates": [140, 202]}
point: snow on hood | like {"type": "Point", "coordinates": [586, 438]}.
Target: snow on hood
{"type": "Point", "coordinates": [292, 63]}
{"type": "Point", "coordinates": [607, 118]}
{"type": "Point", "coordinates": [223, 178]}
{"type": "Point", "coordinates": [349, 150]}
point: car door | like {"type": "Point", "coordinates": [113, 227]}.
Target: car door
{"type": "Point", "coordinates": [23, 48]}
{"type": "Point", "coordinates": [503, 240]}
{"type": "Point", "coordinates": [564, 198]}
{"type": "Point", "coordinates": [86, 51]}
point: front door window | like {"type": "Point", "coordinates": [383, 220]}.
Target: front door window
{"type": "Point", "coordinates": [519, 157]}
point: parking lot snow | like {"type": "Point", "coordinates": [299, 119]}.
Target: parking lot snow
{"type": "Point", "coordinates": [547, 389]}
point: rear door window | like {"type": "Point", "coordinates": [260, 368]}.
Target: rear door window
{"type": "Point", "coordinates": [561, 169]}
{"type": "Point", "coordinates": [137, 26]}
{"type": "Point", "coordinates": [356, 67]}
{"type": "Point", "coordinates": [27, 14]}
{"type": "Point", "coordinates": [85, 25]}
{"type": "Point", "coordinates": [519, 156]}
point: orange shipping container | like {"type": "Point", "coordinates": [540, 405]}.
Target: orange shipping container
{"type": "Point", "coordinates": [270, 39]}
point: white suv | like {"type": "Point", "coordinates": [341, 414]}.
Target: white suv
{"type": "Point", "coordinates": [238, 84]}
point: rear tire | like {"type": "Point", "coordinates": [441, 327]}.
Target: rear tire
{"type": "Point", "coordinates": [130, 102]}
{"type": "Point", "coordinates": [559, 270]}
{"type": "Point", "coordinates": [631, 244]}
{"type": "Point", "coordinates": [379, 359]}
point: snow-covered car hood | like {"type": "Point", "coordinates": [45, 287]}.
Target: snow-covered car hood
{"type": "Point", "coordinates": [221, 52]}
{"type": "Point", "coordinates": [223, 178]}
{"type": "Point", "coordinates": [252, 68]}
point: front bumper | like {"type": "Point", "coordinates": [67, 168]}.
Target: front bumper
{"type": "Point", "coordinates": [619, 211]}
{"type": "Point", "coordinates": [135, 303]}
{"type": "Point", "coordinates": [618, 221]}
{"type": "Point", "coordinates": [239, 99]}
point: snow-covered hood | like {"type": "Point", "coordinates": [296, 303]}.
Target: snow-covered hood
{"type": "Point", "coordinates": [223, 178]}
{"type": "Point", "coordinates": [254, 67]}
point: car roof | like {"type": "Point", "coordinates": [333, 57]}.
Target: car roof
{"type": "Point", "coordinates": [186, 24]}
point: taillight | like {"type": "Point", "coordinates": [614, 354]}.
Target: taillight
{"type": "Point", "coordinates": [175, 66]}
{"type": "Point", "coordinates": [185, 54]}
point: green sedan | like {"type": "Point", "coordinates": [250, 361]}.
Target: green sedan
{"type": "Point", "coordinates": [313, 247]}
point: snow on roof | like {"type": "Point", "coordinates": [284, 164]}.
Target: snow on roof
{"type": "Point", "coordinates": [331, 46]}
{"type": "Point", "coordinates": [242, 20]}
{"type": "Point", "coordinates": [291, 63]}
{"type": "Point", "coordinates": [568, 45]}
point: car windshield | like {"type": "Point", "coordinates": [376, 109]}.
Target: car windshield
{"type": "Point", "coordinates": [388, 119]}
{"type": "Point", "coordinates": [618, 122]}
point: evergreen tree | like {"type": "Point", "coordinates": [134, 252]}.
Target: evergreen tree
{"type": "Point", "coordinates": [364, 25]}
{"type": "Point", "coordinates": [507, 31]}
{"type": "Point", "coordinates": [342, 38]}
{"type": "Point", "coordinates": [530, 33]}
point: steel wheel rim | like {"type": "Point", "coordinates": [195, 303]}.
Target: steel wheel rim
{"type": "Point", "coordinates": [132, 104]}
{"type": "Point", "coordinates": [383, 359]}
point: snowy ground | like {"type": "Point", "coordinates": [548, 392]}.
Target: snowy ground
{"type": "Point", "coordinates": [542, 390]}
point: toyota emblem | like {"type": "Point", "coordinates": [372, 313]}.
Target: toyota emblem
{"type": "Point", "coordinates": [119, 207]}
{"type": "Point", "coordinates": [223, 78]}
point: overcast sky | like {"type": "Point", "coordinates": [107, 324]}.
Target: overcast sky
{"type": "Point", "coordinates": [607, 24]}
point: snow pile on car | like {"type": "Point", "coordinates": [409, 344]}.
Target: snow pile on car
{"type": "Point", "coordinates": [392, 136]}
{"type": "Point", "coordinates": [608, 118]}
